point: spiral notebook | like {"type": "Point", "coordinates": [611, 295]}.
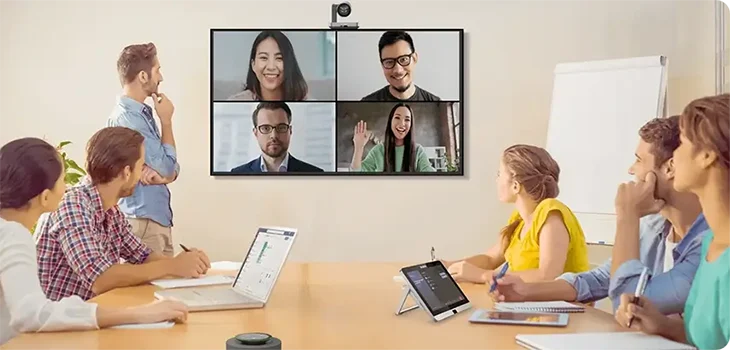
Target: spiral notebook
{"type": "Point", "coordinates": [541, 306]}
{"type": "Point", "coordinates": [598, 341]}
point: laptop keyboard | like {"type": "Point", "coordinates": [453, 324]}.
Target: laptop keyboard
{"type": "Point", "coordinates": [215, 296]}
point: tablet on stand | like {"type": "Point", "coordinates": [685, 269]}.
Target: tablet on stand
{"type": "Point", "coordinates": [434, 291]}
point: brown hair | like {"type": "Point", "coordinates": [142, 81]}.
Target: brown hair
{"type": "Point", "coordinates": [538, 173]}
{"type": "Point", "coordinates": [705, 123]}
{"type": "Point", "coordinates": [28, 166]}
{"type": "Point", "coordinates": [272, 106]}
{"type": "Point", "coordinates": [663, 136]}
{"type": "Point", "coordinates": [110, 150]}
{"type": "Point", "coordinates": [134, 59]}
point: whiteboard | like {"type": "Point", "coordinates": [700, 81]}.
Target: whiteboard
{"type": "Point", "coordinates": [597, 110]}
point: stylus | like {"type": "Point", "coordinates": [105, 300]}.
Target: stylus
{"type": "Point", "coordinates": [640, 287]}
{"type": "Point", "coordinates": [498, 276]}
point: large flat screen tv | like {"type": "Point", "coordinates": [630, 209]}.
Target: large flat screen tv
{"type": "Point", "coordinates": [311, 102]}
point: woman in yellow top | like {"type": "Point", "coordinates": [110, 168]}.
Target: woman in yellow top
{"type": "Point", "coordinates": [543, 238]}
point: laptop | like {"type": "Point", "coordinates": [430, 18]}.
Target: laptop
{"type": "Point", "coordinates": [255, 279]}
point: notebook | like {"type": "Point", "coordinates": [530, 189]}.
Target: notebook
{"type": "Point", "coordinates": [599, 341]}
{"type": "Point", "coordinates": [193, 282]}
{"type": "Point", "coordinates": [541, 306]}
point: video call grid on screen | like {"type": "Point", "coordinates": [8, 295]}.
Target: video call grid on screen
{"type": "Point", "coordinates": [313, 92]}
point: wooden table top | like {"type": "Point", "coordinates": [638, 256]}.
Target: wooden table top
{"type": "Point", "coordinates": [318, 306]}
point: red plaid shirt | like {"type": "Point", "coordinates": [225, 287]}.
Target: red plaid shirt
{"type": "Point", "coordinates": [79, 241]}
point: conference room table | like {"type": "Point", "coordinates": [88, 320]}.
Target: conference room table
{"type": "Point", "coordinates": [318, 306]}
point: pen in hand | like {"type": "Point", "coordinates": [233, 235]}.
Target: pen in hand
{"type": "Point", "coordinates": [184, 248]}
{"type": "Point", "coordinates": [640, 287]}
{"type": "Point", "coordinates": [498, 276]}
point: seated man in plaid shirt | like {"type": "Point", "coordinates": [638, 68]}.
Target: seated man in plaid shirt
{"type": "Point", "coordinates": [87, 247]}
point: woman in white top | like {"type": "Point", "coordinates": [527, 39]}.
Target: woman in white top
{"type": "Point", "coordinates": [32, 178]}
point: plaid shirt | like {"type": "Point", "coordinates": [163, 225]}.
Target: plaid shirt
{"type": "Point", "coordinates": [79, 241]}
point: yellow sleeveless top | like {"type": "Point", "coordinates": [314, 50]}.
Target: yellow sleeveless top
{"type": "Point", "coordinates": [524, 254]}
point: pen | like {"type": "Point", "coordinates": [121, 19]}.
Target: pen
{"type": "Point", "coordinates": [640, 287]}
{"type": "Point", "coordinates": [500, 275]}
{"type": "Point", "coordinates": [184, 248]}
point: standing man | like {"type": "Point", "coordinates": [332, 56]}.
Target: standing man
{"type": "Point", "coordinates": [398, 58]}
{"type": "Point", "coordinates": [148, 209]}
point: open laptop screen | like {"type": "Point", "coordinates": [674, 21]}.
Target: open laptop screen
{"type": "Point", "coordinates": [264, 261]}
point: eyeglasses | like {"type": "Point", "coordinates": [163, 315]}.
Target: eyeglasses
{"type": "Point", "coordinates": [267, 129]}
{"type": "Point", "coordinates": [403, 61]}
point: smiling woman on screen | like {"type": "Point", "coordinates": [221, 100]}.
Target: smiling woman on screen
{"type": "Point", "coordinates": [543, 238]}
{"type": "Point", "coordinates": [398, 153]}
{"type": "Point", "coordinates": [273, 71]}
{"type": "Point", "coordinates": [32, 178]}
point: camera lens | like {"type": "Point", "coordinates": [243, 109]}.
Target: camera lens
{"type": "Point", "coordinates": [344, 9]}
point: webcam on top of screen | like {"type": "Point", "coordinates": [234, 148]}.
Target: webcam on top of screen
{"type": "Point", "coordinates": [343, 9]}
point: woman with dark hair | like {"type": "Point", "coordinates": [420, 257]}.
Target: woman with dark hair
{"type": "Point", "coordinates": [542, 238]}
{"type": "Point", "coordinates": [398, 153]}
{"type": "Point", "coordinates": [701, 167]}
{"type": "Point", "coordinates": [32, 183]}
{"type": "Point", "coordinates": [273, 71]}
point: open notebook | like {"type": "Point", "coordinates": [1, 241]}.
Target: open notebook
{"type": "Point", "coordinates": [541, 306]}
{"type": "Point", "coordinates": [599, 341]}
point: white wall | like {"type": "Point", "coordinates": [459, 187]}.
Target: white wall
{"type": "Point", "coordinates": [360, 73]}
{"type": "Point", "coordinates": [312, 139]}
{"type": "Point", "coordinates": [65, 88]}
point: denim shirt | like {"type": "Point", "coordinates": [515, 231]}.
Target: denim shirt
{"type": "Point", "coordinates": [596, 284]}
{"type": "Point", "coordinates": [148, 201]}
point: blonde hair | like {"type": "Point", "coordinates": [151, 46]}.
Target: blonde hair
{"type": "Point", "coordinates": [538, 174]}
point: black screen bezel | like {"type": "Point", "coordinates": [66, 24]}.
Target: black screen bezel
{"type": "Point", "coordinates": [461, 101]}
{"type": "Point", "coordinates": [433, 311]}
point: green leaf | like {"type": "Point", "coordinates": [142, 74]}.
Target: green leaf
{"type": "Point", "coordinates": [70, 163]}
{"type": "Point", "coordinates": [63, 144]}
{"type": "Point", "coordinates": [72, 178]}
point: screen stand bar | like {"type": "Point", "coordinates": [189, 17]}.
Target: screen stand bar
{"type": "Point", "coordinates": [406, 292]}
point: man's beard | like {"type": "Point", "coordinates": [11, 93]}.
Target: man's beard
{"type": "Point", "coordinates": [402, 89]}
{"type": "Point", "coordinates": [126, 190]}
{"type": "Point", "coordinates": [151, 88]}
{"type": "Point", "coordinates": [275, 154]}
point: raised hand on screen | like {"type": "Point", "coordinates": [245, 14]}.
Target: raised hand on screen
{"type": "Point", "coordinates": [362, 135]}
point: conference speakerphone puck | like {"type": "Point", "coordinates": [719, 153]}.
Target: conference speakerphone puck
{"type": "Point", "coordinates": [253, 341]}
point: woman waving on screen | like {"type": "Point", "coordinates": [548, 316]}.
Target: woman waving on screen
{"type": "Point", "coordinates": [32, 177]}
{"type": "Point", "coordinates": [543, 238]}
{"type": "Point", "coordinates": [398, 153]}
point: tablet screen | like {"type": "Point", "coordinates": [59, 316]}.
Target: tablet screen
{"type": "Point", "coordinates": [435, 286]}
{"type": "Point", "coordinates": [518, 316]}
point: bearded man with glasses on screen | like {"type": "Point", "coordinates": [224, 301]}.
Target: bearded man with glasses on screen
{"type": "Point", "coordinates": [273, 130]}
{"type": "Point", "coordinates": [398, 59]}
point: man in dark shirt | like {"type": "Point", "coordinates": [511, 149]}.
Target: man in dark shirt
{"type": "Point", "coordinates": [398, 58]}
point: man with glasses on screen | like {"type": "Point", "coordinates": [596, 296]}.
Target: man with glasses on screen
{"type": "Point", "coordinates": [398, 58]}
{"type": "Point", "coordinates": [273, 130]}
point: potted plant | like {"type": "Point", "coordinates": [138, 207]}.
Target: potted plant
{"type": "Point", "coordinates": [73, 172]}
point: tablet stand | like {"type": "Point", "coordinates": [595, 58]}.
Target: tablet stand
{"type": "Point", "coordinates": [406, 292]}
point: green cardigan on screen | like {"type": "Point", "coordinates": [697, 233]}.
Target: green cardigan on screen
{"type": "Point", "coordinates": [375, 160]}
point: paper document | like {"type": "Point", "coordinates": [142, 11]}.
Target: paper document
{"type": "Point", "coordinates": [225, 265]}
{"type": "Point", "coordinates": [157, 325]}
{"type": "Point", "coordinates": [193, 282]}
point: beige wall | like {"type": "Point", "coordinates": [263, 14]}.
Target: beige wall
{"type": "Point", "coordinates": [57, 79]}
